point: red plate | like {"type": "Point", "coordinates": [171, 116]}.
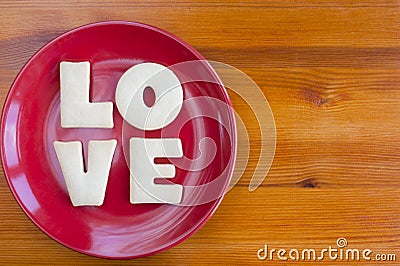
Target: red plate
{"type": "Point", "coordinates": [117, 229]}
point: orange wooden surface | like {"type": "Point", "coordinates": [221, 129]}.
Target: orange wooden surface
{"type": "Point", "coordinates": [331, 73]}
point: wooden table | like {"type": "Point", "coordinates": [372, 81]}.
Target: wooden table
{"type": "Point", "coordinates": [331, 73]}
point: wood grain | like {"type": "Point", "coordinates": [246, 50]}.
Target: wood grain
{"type": "Point", "coordinates": [330, 71]}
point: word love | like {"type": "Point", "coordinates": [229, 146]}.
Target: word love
{"type": "Point", "coordinates": [88, 188]}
